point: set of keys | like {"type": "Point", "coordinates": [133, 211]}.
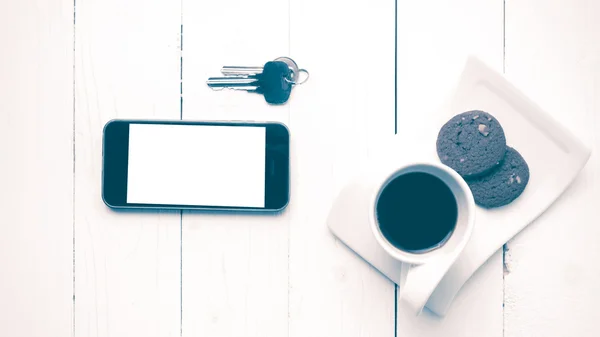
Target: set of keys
{"type": "Point", "coordinates": [274, 80]}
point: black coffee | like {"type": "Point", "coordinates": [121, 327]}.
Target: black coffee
{"type": "Point", "coordinates": [416, 211]}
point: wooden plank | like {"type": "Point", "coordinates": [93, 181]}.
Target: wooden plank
{"type": "Point", "coordinates": [127, 264]}
{"type": "Point", "coordinates": [434, 39]}
{"type": "Point", "coordinates": [336, 118]}
{"type": "Point", "coordinates": [552, 53]}
{"type": "Point", "coordinates": [36, 169]}
{"type": "Point", "coordinates": [235, 267]}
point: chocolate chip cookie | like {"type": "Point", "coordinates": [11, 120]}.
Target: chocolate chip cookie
{"type": "Point", "coordinates": [472, 143]}
{"type": "Point", "coordinates": [504, 184]}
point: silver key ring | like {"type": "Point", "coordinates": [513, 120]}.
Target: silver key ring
{"type": "Point", "coordinates": [295, 71]}
{"type": "Point", "coordinates": [292, 82]}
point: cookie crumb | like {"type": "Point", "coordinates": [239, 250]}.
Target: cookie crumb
{"type": "Point", "coordinates": [462, 160]}
{"type": "Point", "coordinates": [484, 130]}
{"type": "Point", "coordinates": [475, 117]}
{"type": "Point", "coordinates": [518, 180]}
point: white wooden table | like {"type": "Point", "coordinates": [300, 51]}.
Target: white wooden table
{"type": "Point", "coordinates": [71, 267]}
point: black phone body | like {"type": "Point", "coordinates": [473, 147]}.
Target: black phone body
{"type": "Point", "coordinates": [204, 165]}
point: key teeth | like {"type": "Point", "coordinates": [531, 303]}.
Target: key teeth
{"type": "Point", "coordinates": [240, 71]}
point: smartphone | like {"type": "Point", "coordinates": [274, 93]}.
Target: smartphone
{"type": "Point", "coordinates": [206, 165]}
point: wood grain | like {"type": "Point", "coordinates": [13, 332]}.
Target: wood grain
{"type": "Point", "coordinates": [36, 168]}
{"type": "Point", "coordinates": [235, 267]}
{"type": "Point", "coordinates": [336, 119]}
{"type": "Point", "coordinates": [552, 53]}
{"type": "Point", "coordinates": [72, 267]}
{"type": "Point", "coordinates": [127, 264]}
{"type": "Point", "coordinates": [434, 39]}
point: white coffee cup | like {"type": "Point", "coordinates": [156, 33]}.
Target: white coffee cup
{"type": "Point", "coordinates": [353, 216]}
{"type": "Point", "coordinates": [423, 270]}
{"type": "Point", "coordinates": [459, 237]}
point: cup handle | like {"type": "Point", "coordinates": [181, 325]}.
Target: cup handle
{"type": "Point", "coordinates": [417, 283]}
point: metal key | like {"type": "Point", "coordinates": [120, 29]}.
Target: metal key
{"type": "Point", "coordinates": [248, 71]}
{"type": "Point", "coordinates": [274, 80]}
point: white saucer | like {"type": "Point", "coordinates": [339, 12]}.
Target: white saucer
{"type": "Point", "coordinates": [554, 155]}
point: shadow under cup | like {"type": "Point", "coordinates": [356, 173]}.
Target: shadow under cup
{"type": "Point", "coordinates": [422, 210]}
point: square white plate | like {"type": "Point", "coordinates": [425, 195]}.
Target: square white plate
{"type": "Point", "coordinates": [554, 155]}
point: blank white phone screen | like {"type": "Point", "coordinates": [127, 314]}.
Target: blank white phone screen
{"type": "Point", "coordinates": [196, 165]}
